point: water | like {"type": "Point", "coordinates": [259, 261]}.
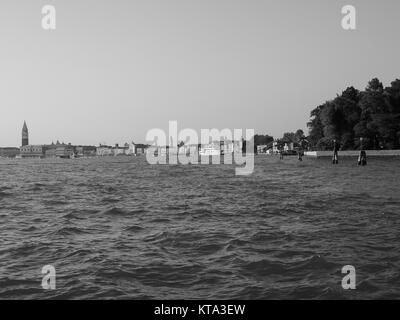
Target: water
{"type": "Point", "coordinates": [120, 228]}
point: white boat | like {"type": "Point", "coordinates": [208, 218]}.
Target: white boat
{"type": "Point", "coordinates": [210, 150]}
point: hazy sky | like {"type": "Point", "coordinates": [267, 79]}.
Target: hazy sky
{"type": "Point", "coordinates": [113, 69]}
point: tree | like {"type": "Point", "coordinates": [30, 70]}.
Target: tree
{"type": "Point", "coordinates": [373, 114]}
{"type": "Point", "coordinates": [348, 115]}
{"type": "Point", "coordinates": [372, 102]}
{"type": "Point", "coordinates": [262, 139]}
{"type": "Point", "coordinates": [315, 126]}
{"type": "Point", "coordinates": [297, 138]}
{"type": "Point", "coordinates": [288, 137]}
{"type": "Point", "coordinates": [390, 122]}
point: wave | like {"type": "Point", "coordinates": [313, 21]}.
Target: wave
{"type": "Point", "coordinates": [114, 212]}
{"type": "Point", "coordinates": [160, 220]}
{"type": "Point", "coordinates": [284, 232]}
{"type": "Point", "coordinates": [5, 194]}
{"type": "Point", "coordinates": [72, 216]}
{"type": "Point", "coordinates": [264, 267]}
{"type": "Point", "coordinates": [67, 231]}
{"type": "Point", "coordinates": [134, 229]}
{"type": "Point", "coordinates": [316, 262]}
{"type": "Point", "coordinates": [208, 249]}
{"type": "Point", "coordinates": [110, 200]}
{"type": "Point", "coordinates": [36, 187]}
{"type": "Point", "coordinates": [29, 229]}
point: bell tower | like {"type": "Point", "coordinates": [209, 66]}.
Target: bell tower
{"type": "Point", "coordinates": [25, 135]}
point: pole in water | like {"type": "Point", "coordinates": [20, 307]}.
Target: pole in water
{"type": "Point", "coordinates": [335, 158]}
{"type": "Point", "coordinates": [362, 158]}
{"type": "Point", "coordinates": [300, 156]}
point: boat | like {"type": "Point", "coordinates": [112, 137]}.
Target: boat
{"type": "Point", "coordinates": [210, 150]}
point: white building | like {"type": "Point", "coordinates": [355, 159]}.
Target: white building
{"type": "Point", "coordinates": [275, 147]}
{"type": "Point", "coordinates": [103, 151]}
{"type": "Point", "coordinates": [288, 147]}
{"type": "Point", "coordinates": [131, 149]}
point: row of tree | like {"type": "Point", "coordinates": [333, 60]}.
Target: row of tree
{"type": "Point", "coordinates": [368, 119]}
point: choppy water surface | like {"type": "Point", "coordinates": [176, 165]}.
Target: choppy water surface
{"type": "Point", "coordinates": [120, 228]}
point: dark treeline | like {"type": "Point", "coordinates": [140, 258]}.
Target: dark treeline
{"type": "Point", "coordinates": [372, 114]}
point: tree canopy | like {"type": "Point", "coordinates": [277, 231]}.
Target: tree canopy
{"type": "Point", "coordinates": [372, 114]}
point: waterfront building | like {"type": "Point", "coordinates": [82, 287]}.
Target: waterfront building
{"type": "Point", "coordinates": [172, 150]}
{"type": "Point", "coordinates": [262, 148]}
{"type": "Point", "coordinates": [141, 148]}
{"type": "Point", "coordinates": [32, 151]}
{"type": "Point", "coordinates": [65, 151]}
{"type": "Point", "coordinates": [59, 150]}
{"type": "Point", "coordinates": [51, 151]}
{"type": "Point", "coordinates": [189, 149]}
{"type": "Point", "coordinates": [220, 147]}
{"type": "Point", "coordinates": [126, 150]}
{"type": "Point", "coordinates": [232, 146]}
{"type": "Point", "coordinates": [132, 149]}
{"type": "Point", "coordinates": [275, 147]}
{"type": "Point", "coordinates": [118, 151]}
{"type": "Point", "coordinates": [62, 150]}
{"type": "Point", "coordinates": [9, 152]}
{"type": "Point", "coordinates": [85, 151]}
{"type": "Point", "coordinates": [288, 146]}
{"type": "Point", "coordinates": [27, 150]}
{"type": "Point", "coordinates": [163, 150]}
{"type": "Point", "coordinates": [153, 150]}
{"type": "Point", "coordinates": [211, 149]}
{"type": "Point", "coordinates": [104, 151]}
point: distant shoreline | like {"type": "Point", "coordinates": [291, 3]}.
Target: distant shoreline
{"type": "Point", "coordinates": [354, 153]}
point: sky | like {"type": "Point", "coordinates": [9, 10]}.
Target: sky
{"type": "Point", "coordinates": [114, 69]}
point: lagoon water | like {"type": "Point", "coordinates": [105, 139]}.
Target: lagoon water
{"type": "Point", "coordinates": [121, 228]}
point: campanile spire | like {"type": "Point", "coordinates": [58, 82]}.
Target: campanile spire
{"type": "Point", "coordinates": [25, 135]}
